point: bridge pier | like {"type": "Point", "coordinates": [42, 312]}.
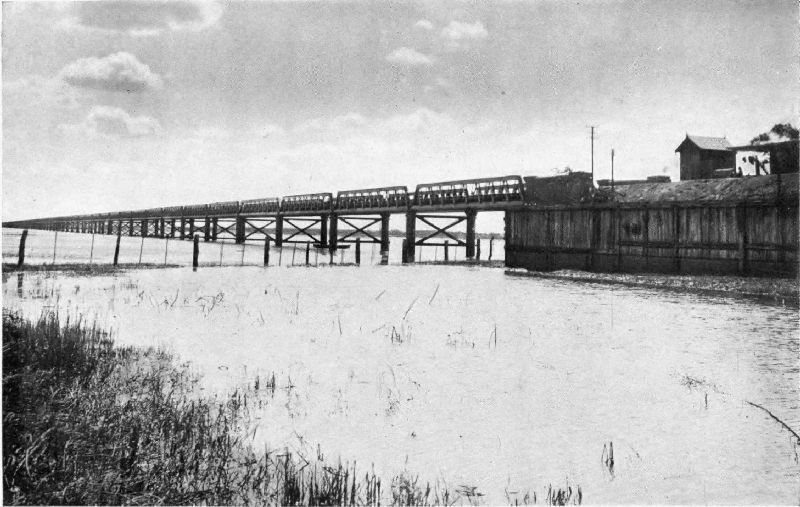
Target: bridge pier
{"type": "Point", "coordinates": [143, 228]}
{"type": "Point", "coordinates": [110, 229]}
{"type": "Point", "coordinates": [214, 230]}
{"type": "Point", "coordinates": [207, 232]}
{"type": "Point", "coordinates": [130, 227]}
{"type": "Point", "coordinates": [172, 228]}
{"type": "Point", "coordinates": [385, 233]}
{"type": "Point", "coordinates": [411, 236]}
{"type": "Point", "coordinates": [333, 238]}
{"type": "Point", "coordinates": [191, 228]}
{"type": "Point", "coordinates": [471, 213]}
{"type": "Point", "coordinates": [240, 231]}
{"type": "Point", "coordinates": [323, 231]}
{"type": "Point", "coordinates": [279, 231]}
{"type": "Point", "coordinates": [161, 228]}
{"type": "Point", "coordinates": [182, 234]}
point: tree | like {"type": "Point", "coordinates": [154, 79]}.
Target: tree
{"type": "Point", "coordinates": [779, 131]}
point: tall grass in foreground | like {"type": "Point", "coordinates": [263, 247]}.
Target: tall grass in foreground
{"type": "Point", "coordinates": [86, 422]}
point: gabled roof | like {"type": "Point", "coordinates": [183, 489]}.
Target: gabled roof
{"type": "Point", "coordinates": [706, 143]}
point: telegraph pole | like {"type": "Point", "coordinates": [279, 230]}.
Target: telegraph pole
{"type": "Point", "coordinates": [612, 169]}
{"type": "Point", "coordinates": [592, 127]}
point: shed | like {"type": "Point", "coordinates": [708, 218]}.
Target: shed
{"type": "Point", "coordinates": [784, 156]}
{"type": "Point", "coordinates": [701, 156]}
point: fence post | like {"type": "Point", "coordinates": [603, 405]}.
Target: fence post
{"type": "Point", "coordinates": [195, 252]}
{"type": "Point", "coordinates": [266, 251]}
{"type": "Point", "coordinates": [55, 242]}
{"type": "Point", "coordinates": [21, 255]}
{"type": "Point", "coordinates": [116, 249]}
{"type": "Point", "coordinates": [358, 251]}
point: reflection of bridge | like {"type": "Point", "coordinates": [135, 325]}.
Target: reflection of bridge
{"type": "Point", "coordinates": [320, 219]}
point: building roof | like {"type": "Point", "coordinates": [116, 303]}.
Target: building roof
{"type": "Point", "coordinates": [753, 189]}
{"type": "Point", "coordinates": [766, 146]}
{"type": "Point", "coordinates": [706, 143]}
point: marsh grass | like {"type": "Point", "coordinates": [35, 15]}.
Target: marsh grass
{"type": "Point", "coordinates": [87, 422]}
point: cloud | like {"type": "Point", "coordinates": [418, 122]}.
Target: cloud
{"type": "Point", "coordinates": [118, 72]}
{"type": "Point", "coordinates": [112, 122]}
{"type": "Point", "coordinates": [40, 91]}
{"type": "Point", "coordinates": [408, 56]}
{"type": "Point", "coordinates": [144, 18]}
{"type": "Point", "coordinates": [458, 35]}
{"type": "Point", "coordinates": [424, 24]}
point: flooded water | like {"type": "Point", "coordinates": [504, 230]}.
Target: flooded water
{"type": "Point", "coordinates": [468, 376]}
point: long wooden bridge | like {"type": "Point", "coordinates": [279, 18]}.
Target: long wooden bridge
{"type": "Point", "coordinates": [321, 219]}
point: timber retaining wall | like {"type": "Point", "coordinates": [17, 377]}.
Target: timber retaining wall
{"type": "Point", "coordinates": [716, 238]}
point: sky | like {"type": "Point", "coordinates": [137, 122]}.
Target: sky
{"type": "Point", "coordinates": [126, 105]}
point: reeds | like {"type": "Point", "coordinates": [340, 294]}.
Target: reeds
{"type": "Point", "coordinates": [85, 422]}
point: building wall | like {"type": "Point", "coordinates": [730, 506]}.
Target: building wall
{"type": "Point", "coordinates": [700, 164]}
{"type": "Point", "coordinates": [664, 238]}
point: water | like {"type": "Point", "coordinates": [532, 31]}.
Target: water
{"type": "Point", "coordinates": [474, 378]}
{"type": "Point", "coordinates": [70, 248]}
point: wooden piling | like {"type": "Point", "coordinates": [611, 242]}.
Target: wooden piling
{"type": "Point", "coordinates": [116, 248]}
{"type": "Point", "coordinates": [358, 251]}
{"type": "Point", "coordinates": [385, 232]}
{"type": "Point", "coordinates": [141, 247]}
{"type": "Point", "coordinates": [279, 233]}
{"type": "Point", "coordinates": [294, 251]}
{"type": "Point", "coordinates": [491, 246]}
{"type": "Point", "coordinates": [308, 253]}
{"type": "Point", "coordinates": [196, 252]}
{"type": "Point", "coordinates": [404, 252]}
{"type": "Point", "coordinates": [333, 237]}
{"type": "Point", "coordinates": [478, 249]}
{"type": "Point", "coordinates": [323, 231]}
{"type": "Point", "coordinates": [411, 236]}
{"type": "Point", "coordinates": [240, 231]}
{"type": "Point", "coordinates": [55, 243]}
{"type": "Point", "coordinates": [266, 251]}
{"type": "Point", "coordinates": [207, 231]}
{"type": "Point", "coordinates": [166, 250]}
{"type": "Point", "coordinates": [446, 250]}
{"type": "Point", "coordinates": [471, 214]}
{"type": "Point", "coordinates": [91, 250]}
{"type": "Point", "coordinates": [21, 254]}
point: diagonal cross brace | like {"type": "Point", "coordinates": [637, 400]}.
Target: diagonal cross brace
{"type": "Point", "coordinates": [442, 230]}
{"type": "Point", "coordinates": [302, 230]}
{"type": "Point", "coordinates": [356, 229]}
{"type": "Point", "coordinates": [262, 229]}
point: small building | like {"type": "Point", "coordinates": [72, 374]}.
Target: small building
{"type": "Point", "coordinates": [783, 157]}
{"type": "Point", "coordinates": [701, 156]}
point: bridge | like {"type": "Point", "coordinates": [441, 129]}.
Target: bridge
{"type": "Point", "coordinates": [319, 219]}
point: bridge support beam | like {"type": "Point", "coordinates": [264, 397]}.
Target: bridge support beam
{"type": "Point", "coordinates": [172, 228]}
{"type": "Point", "coordinates": [333, 237]}
{"type": "Point", "coordinates": [279, 231]}
{"type": "Point", "coordinates": [161, 233]}
{"type": "Point", "coordinates": [143, 228]}
{"type": "Point", "coordinates": [130, 227]}
{"type": "Point", "coordinates": [183, 229]}
{"type": "Point", "coordinates": [110, 229]}
{"type": "Point", "coordinates": [323, 231]}
{"type": "Point", "coordinates": [411, 236]}
{"type": "Point", "coordinates": [240, 234]}
{"type": "Point", "coordinates": [207, 232]}
{"type": "Point", "coordinates": [214, 229]}
{"type": "Point", "coordinates": [385, 232]}
{"type": "Point", "coordinates": [191, 228]}
{"type": "Point", "coordinates": [471, 233]}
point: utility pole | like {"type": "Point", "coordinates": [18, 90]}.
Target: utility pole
{"type": "Point", "coordinates": [612, 169]}
{"type": "Point", "coordinates": [592, 127]}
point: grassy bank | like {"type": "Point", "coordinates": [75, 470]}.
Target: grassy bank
{"type": "Point", "coordinates": [88, 422]}
{"type": "Point", "coordinates": [88, 269]}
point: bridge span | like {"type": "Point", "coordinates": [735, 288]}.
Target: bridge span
{"type": "Point", "coordinates": [321, 219]}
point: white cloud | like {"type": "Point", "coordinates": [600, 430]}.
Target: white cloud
{"type": "Point", "coordinates": [112, 122]}
{"type": "Point", "coordinates": [424, 24]}
{"type": "Point", "coordinates": [408, 56]}
{"type": "Point", "coordinates": [40, 92]}
{"type": "Point", "coordinates": [119, 72]}
{"type": "Point", "coordinates": [144, 18]}
{"type": "Point", "coordinates": [459, 35]}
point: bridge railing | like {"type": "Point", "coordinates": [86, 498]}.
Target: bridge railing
{"type": "Point", "coordinates": [475, 191]}
{"type": "Point", "coordinates": [195, 210]}
{"type": "Point", "coordinates": [307, 202]}
{"type": "Point", "coordinates": [172, 211]}
{"type": "Point", "coordinates": [372, 198]}
{"type": "Point", "coordinates": [227, 208]}
{"type": "Point", "coordinates": [265, 205]}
